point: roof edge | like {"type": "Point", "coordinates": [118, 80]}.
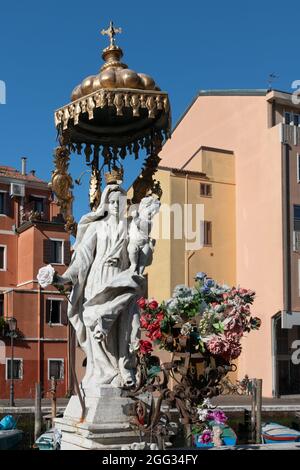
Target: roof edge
{"type": "Point", "coordinates": [227, 92]}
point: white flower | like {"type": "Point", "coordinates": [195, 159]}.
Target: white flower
{"type": "Point", "coordinates": [133, 347]}
{"type": "Point", "coordinates": [186, 329]}
{"type": "Point", "coordinates": [176, 318]}
{"type": "Point", "coordinates": [45, 276]}
{"type": "Point", "coordinates": [202, 414]}
{"type": "Point", "coordinates": [207, 403]}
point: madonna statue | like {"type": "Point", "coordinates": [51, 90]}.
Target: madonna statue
{"type": "Point", "coordinates": [106, 274]}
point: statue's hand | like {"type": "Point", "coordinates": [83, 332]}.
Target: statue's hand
{"type": "Point", "coordinates": [98, 334]}
{"type": "Point", "coordinates": [60, 280]}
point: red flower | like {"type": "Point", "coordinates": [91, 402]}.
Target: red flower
{"type": "Point", "coordinates": [153, 326]}
{"type": "Point", "coordinates": [142, 303]}
{"type": "Point", "coordinates": [160, 316]}
{"type": "Point", "coordinates": [145, 346]}
{"type": "Point", "coordinates": [157, 334]}
{"type": "Point", "coordinates": [143, 321]}
{"type": "Point", "coordinates": [153, 305]}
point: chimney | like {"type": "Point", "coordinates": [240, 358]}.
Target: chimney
{"type": "Point", "coordinates": [33, 172]}
{"type": "Point", "coordinates": [23, 165]}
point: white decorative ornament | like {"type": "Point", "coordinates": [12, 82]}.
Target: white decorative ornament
{"type": "Point", "coordinates": [45, 276]}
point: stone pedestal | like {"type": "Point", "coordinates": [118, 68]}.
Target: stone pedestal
{"type": "Point", "coordinates": [106, 424]}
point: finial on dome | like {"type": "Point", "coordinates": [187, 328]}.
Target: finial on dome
{"type": "Point", "coordinates": [111, 32]}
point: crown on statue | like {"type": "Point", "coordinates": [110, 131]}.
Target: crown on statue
{"type": "Point", "coordinates": [115, 176]}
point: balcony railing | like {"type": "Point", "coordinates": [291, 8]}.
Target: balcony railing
{"type": "Point", "coordinates": [29, 213]}
{"type": "Point", "coordinates": [289, 134]}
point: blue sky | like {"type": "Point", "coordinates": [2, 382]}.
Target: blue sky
{"type": "Point", "coordinates": [49, 47]}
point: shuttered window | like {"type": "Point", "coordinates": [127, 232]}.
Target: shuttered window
{"type": "Point", "coordinates": [205, 190]}
{"type": "Point", "coordinates": [17, 369]}
{"type": "Point", "coordinates": [57, 252]}
{"type": "Point", "coordinates": [207, 233]}
{"type": "Point", "coordinates": [56, 312]}
{"type": "Point", "coordinates": [56, 369]}
{"type": "Point", "coordinates": [2, 203]}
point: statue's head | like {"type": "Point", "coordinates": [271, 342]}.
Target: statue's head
{"type": "Point", "coordinates": [116, 203]}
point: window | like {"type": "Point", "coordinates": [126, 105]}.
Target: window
{"type": "Point", "coordinates": [56, 369]}
{"type": "Point", "coordinates": [1, 305]}
{"type": "Point", "coordinates": [287, 118]}
{"type": "Point", "coordinates": [207, 233]}
{"type": "Point", "coordinates": [37, 204]}
{"type": "Point", "coordinates": [2, 203]}
{"type": "Point", "coordinates": [298, 167]}
{"type": "Point", "coordinates": [296, 119]}
{"type": "Point", "coordinates": [205, 190]}
{"type": "Point", "coordinates": [297, 218]}
{"type": "Point", "coordinates": [53, 311]}
{"type": "Point", "coordinates": [17, 369]}
{"type": "Point", "coordinates": [2, 258]}
{"type": "Point", "coordinates": [291, 118]}
{"type": "Point", "coordinates": [56, 252]}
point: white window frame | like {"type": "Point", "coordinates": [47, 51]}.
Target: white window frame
{"type": "Point", "coordinates": [5, 202]}
{"type": "Point", "coordinates": [298, 167]}
{"type": "Point", "coordinates": [57, 300]}
{"type": "Point", "coordinates": [61, 359]}
{"type": "Point", "coordinates": [6, 367]}
{"type": "Point", "coordinates": [284, 113]}
{"type": "Point", "coordinates": [4, 258]}
{"type": "Point", "coordinates": [296, 114]}
{"type": "Point", "coordinates": [62, 251]}
{"type": "Point", "coordinates": [291, 118]}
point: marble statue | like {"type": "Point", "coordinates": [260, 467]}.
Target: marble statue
{"type": "Point", "coordinates": [110, 254]}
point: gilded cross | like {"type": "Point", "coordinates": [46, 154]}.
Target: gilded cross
{"type": "Point", "coordinates": [111, 32]}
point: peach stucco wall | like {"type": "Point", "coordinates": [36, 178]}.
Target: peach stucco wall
{"type": "Point", "coordinates": [239, 124]}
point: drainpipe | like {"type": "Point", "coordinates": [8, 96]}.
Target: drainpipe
{"type": "Point", "coordinates": [188, 254]}
{"type": "Point", "coordinates": [287, 304]}
{"type": "Point", "coordinates": [39, 375]}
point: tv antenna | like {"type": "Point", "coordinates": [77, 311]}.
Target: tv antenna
{"type": "Point", "coordinates": [271, 79]}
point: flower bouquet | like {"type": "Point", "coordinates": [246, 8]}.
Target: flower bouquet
{"type": "Point", "coordinates": [209, 318]}
{"type": "Point", "coordinates": [211, 428]}
{"type": "Point", "coordinates": [202, 326]}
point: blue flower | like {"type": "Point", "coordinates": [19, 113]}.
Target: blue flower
{"type": "Point", "coordinates": [209, 282]}
{"type": "Point", "coordinates": [200, 276]}
{"type": "Point", "coordinates": [204, 290]}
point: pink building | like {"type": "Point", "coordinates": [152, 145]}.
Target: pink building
{"type": "Point", "coordinates": [262, 129]}
{"type": "Point", "coordinates": [32, 234]}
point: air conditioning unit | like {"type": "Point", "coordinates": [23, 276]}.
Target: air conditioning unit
{"type": "Point", "coordinates": [17, 189]}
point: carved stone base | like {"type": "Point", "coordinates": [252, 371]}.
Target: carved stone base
{"type": "Point", "coordinates": [106, 424]}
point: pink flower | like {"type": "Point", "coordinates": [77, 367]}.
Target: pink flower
{"type": "Point", "coordinates": [218, 345]}
{"type": "Point", "coordinates": [206, 437]}
{"type": "Point", "coordinates": [218, 416]}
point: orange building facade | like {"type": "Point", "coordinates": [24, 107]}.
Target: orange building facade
{"type": "Point", "coordinates": [32, 235]}
{"type": "Point", "coordinates": [245, 146]}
